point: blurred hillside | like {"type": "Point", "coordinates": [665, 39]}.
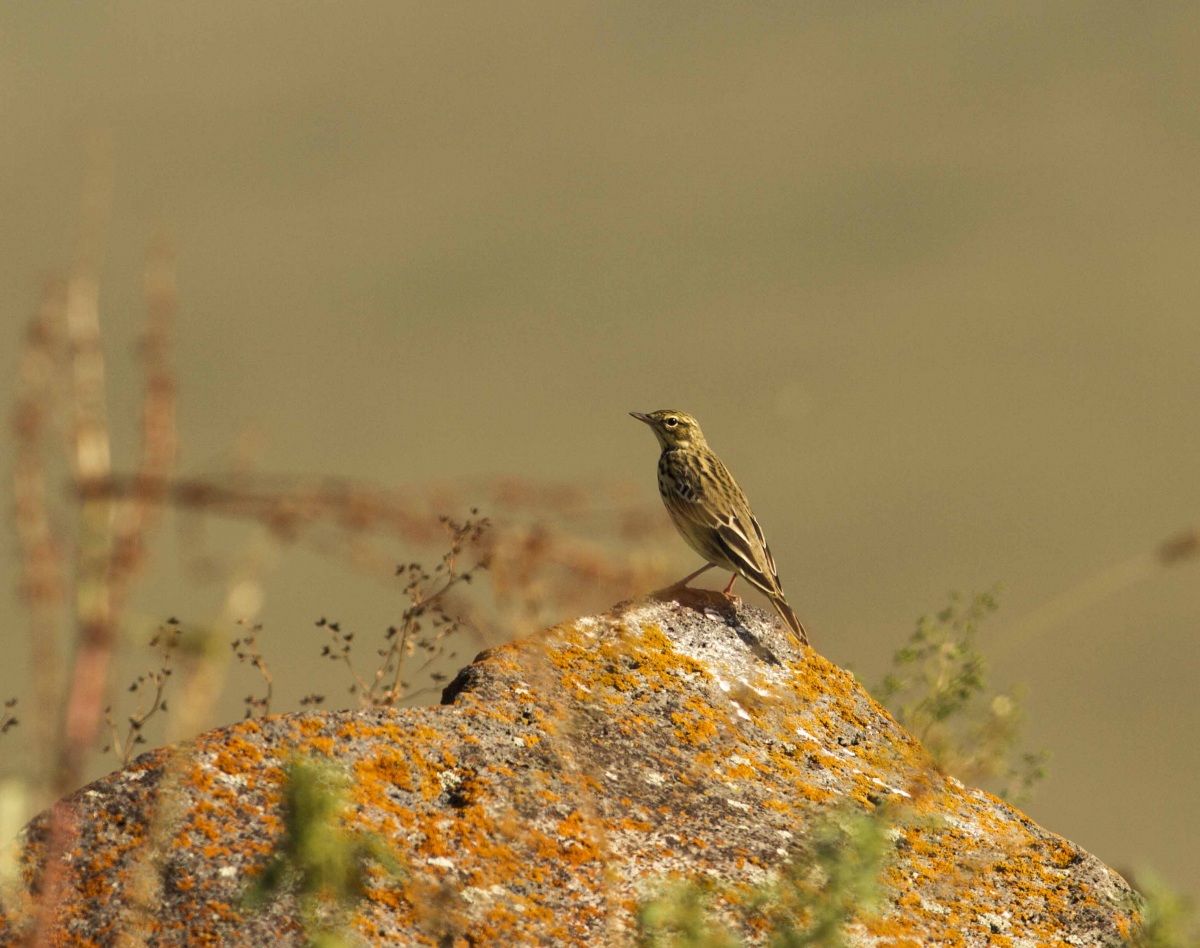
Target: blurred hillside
{"type": "Point", "coordinates": [926, 277]}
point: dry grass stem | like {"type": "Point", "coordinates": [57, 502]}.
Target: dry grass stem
{"type": "Point", "coordinates": [43, 582]}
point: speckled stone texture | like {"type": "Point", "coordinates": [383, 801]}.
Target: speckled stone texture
{"type": "Point", "coordinates": [566, 776]}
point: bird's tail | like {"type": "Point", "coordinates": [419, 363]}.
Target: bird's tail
{"type": "Point", "coordinates": [790, 620]}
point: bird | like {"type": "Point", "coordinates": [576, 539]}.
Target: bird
{"type": "Point", "coordinates": [712, 513]}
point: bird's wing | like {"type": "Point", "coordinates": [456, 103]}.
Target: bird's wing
{"type": "Point", "coordinates": [742, 540]}
{"type": "Point", "coordinates": [735, 536]}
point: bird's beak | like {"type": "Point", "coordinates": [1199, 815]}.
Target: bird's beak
{"type": "Point", "coordinates": [640, 417]}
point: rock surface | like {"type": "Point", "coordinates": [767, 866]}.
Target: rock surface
{"type": "Point", "coordinates": [565, 777]}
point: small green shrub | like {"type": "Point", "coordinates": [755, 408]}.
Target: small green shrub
{"type": "Point", "coordinates": [829, 882]}
{"type": "Point", "coordinates": [1169, 919]}
{"type": "Point", "coordinates": [317, 860]}
{"type": "Point", "coordinates": [939, 691]}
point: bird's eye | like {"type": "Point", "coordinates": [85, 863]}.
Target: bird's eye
{"type": "Point", "coordinates": [672, 422]}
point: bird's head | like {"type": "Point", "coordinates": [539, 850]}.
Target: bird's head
{"type": "Point", "coordinates": [674, 429]}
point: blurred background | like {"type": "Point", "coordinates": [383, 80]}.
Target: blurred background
{"type": "Point", "coordinates": [928, 277]}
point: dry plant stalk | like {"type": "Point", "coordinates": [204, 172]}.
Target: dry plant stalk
{"type": "Point", "coordinates": [89, 452]}
{"type": "Point", "coordinates": [425, 625]}
{"type": "Point", "coordinates": [113, 533]}
{"type": "Point", "coordinates": [246, 649]}
{"type": "Point", "coordinates": [1181, 548]}
{"type": "Point", "coordinates": [43, 583]}
{"type": "Point", "coordinates": [166, 641]}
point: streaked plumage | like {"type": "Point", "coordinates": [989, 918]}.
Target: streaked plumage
{"type": "Point", "coordinates": [711, 511]}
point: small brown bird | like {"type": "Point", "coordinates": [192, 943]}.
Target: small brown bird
{"type": "Point", "coordinates": [711, 511]}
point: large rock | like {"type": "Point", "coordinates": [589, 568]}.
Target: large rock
{"type": "Point", "coordinates": [565, 777]}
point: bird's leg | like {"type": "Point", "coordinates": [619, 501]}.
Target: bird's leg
{"type": "Point", "coordinates": [732, 580]}
{"type": "Point", "coordinates": [690, 576]}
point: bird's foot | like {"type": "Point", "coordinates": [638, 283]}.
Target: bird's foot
{"type": "Point", "coordinates": [693, 596]}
